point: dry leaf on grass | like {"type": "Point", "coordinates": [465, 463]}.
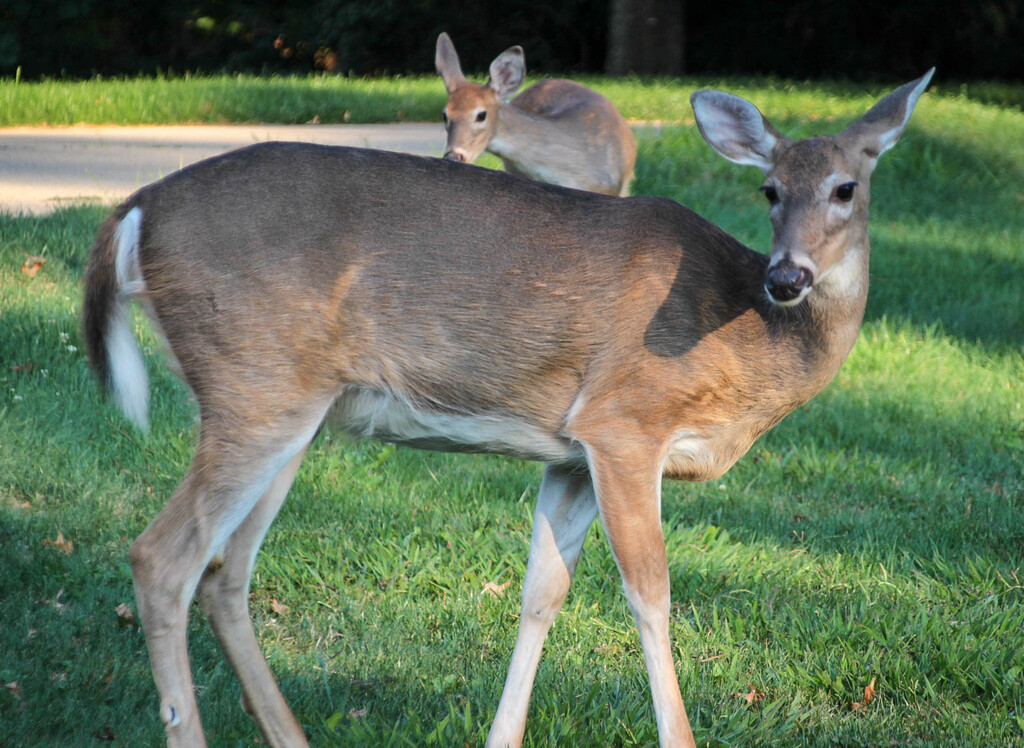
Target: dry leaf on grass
{"type": "Point", "coordinates": [32, 266]}
{"type": "Point", "coordinates": [124, 614]}
{"type": "Point", "coordinates": [869, 695]}
{"type": "Point", "coordinates": [496, 589]}
{"type": "Point", "coordinates": [277, 607]}
{"type": "Point", "coordinates": [65, 545]}
{"type": "Point", "coordinates": [357, 713]}
{"type": "Point", "coordinates": [753, 696]}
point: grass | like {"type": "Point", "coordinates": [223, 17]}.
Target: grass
{"type": "Point", "coordinates": [876, 534]}
{"type": "Point", "coordinates": [223, 99]}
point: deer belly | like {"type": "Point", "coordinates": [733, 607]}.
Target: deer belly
{"type": "Point", "coordinates": [372, 413]}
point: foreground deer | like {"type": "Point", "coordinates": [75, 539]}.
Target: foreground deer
{"type": "Point", "coordinates": [555, 131]}
{"type": "Point", "coordinates": [454, 308]}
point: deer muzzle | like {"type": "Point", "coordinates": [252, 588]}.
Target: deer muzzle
{"type": "Point", "coordinates": [787, 283]}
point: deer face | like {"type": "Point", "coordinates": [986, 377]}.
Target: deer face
{"type": "Point", "coordinates": [469, 121]}
{"type": "Point", "coordinates": [817, 188]}
{"type": "Point", "coordinates": [818, 207]}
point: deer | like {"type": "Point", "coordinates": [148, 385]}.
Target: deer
{"type": "Point", "coordinates": [449, 307]}
{"type": "Point", "coordinates": [556, 131]}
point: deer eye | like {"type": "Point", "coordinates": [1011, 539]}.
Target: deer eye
{"type": "Point", "coordinates": [481, 115]}
{"type": "Point", "coordinates": [844, 192]}
{"type": "Point", "coordinates": [770, 193]}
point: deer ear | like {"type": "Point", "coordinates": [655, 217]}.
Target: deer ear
{"type": "Point", "coordinates": [881, 127]}
{"type": "Point", "coordinates": [446, 60]}
{"type": "Point", "coordinates": [735, 128]}
{"type": "Point", "coordinates": [508, 71]}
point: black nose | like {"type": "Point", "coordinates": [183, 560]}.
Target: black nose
{"type": "Point", "coordinates": [786, 281]}
{"type": "Point", "coordinates": [454, 156]}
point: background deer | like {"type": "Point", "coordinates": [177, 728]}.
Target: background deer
{"type": "Point", "coordinates": [420, 302]}
{"type": "Point", "coordinates": [555, 131]}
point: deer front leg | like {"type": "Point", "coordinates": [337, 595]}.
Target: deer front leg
{"type": "Point", "coordinates": [565, 511]}
{"type": "Point", "coordinates": [224, 595]}
{"type": "Point", "coordinates": [629, 498]}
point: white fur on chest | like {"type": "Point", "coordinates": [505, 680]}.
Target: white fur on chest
{"type": "Point", "coordinates": [372, 413]}
{"type": "Point", "coordinates": [690, 454]}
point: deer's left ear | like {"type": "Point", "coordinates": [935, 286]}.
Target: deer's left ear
{"type": "Point", "coordinates": [881, 127]}
{"type": "Point", "coordinates": [508, 71]}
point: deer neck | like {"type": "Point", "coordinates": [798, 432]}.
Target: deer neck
{"type": "Point", "coordinates": [836, 310]}
{"type": "Point", "coordinates": [529, 141]}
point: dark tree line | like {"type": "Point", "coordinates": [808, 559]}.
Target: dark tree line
{"type": "Point", "coordinates": [865, 40]}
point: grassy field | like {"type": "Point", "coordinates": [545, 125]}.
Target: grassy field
{"type": "Point", "coordinates": [334, 99]}
{"type": "Point", "coordinates": [875, 536]}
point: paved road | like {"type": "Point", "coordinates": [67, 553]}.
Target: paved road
{"type": "Point", "coordinates": [43, 168]}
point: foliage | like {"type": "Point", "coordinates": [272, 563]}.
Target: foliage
{"type": "Point", "coordinates": [873, 39]}
{"type": "Point", "coordinates": [963, 38]}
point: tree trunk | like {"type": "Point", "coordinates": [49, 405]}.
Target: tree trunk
{"type": "Point", "coordinates": [645, 37]}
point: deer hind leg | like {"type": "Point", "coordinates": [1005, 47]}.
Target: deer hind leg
{"type": "Point", "coordinates": [228, 476]}
{"type": "Point", "coordinates": [565, 511]}
{"type": "Point", "coordinates": [629, 498]}
{"type": "Point", "coordinates": [224, 595]}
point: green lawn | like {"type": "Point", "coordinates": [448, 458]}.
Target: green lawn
{"type": "Point", "coordinates": [222, 99]}
{"type": "Point", "coordinates": [876, 534]}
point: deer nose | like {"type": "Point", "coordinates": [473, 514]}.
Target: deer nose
{"type": "Point", "coordinates": [455, 156]}
{"type": "Point", "coordinates": [787, 282]}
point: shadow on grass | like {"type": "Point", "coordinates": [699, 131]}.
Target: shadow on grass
{"type": "Point", "coordinates": [974, 296]}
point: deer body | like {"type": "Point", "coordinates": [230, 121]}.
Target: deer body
{"type": "Point", "coordinates": [556, 131]}
{"type": "Point", "coordinates": [446, 307]}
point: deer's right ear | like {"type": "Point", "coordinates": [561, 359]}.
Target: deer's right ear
{"type": "Point", "coordinates": [735, 128]}
{"type": "Point", "coordinates": [446, 60]}
{"type": "Point", "coordinates": [508, 71]}
{"type": "Point", "coordinates": [879, 129]}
